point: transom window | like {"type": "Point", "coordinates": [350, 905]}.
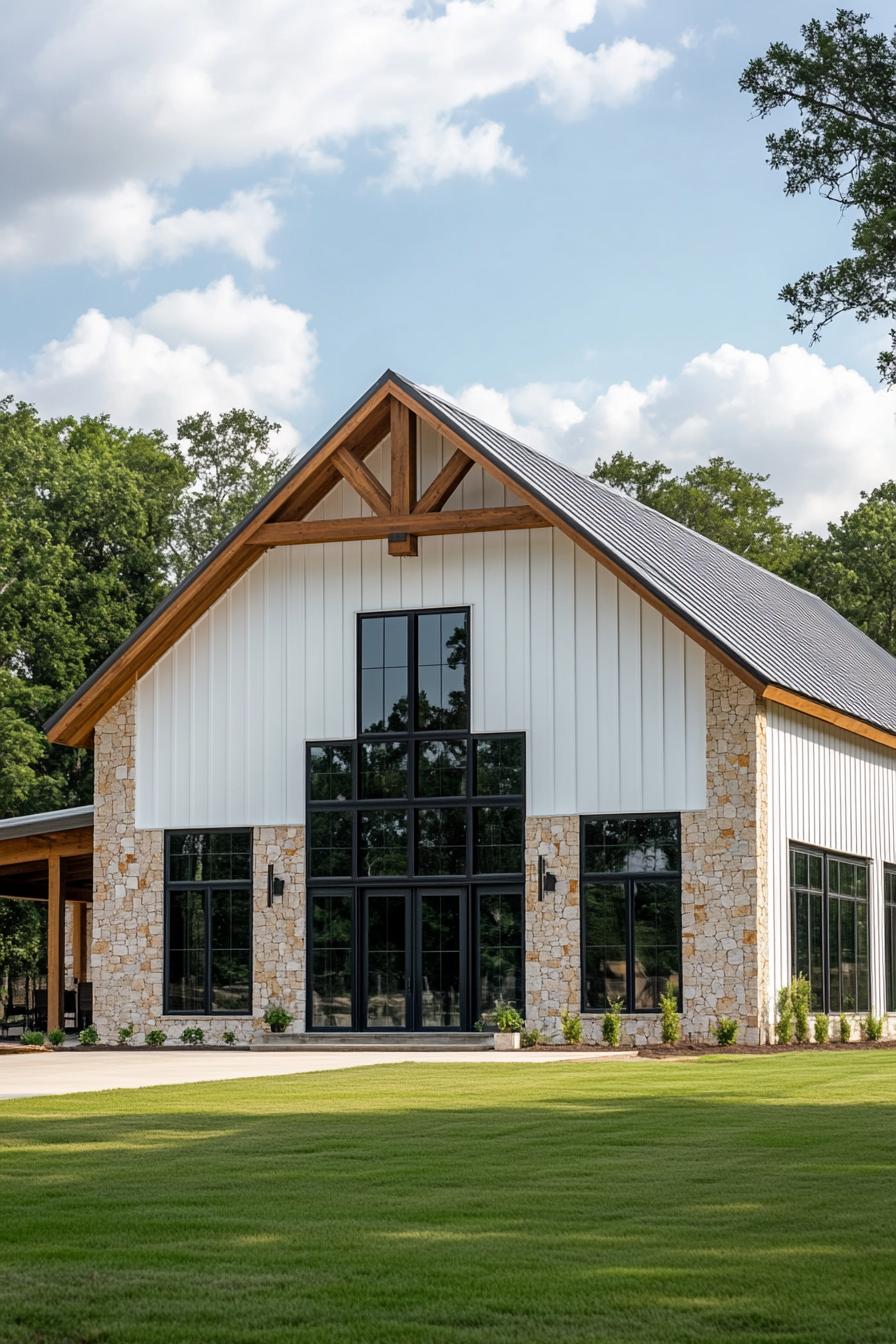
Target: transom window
{"type": "Point", "coordinates": [631, 911]}
{"type": "Point", "coordinates": [829, 928]}
{"type": "Point", "coordinates": [208, 922]}
{"type": "Point", "coordinates": [415, 795]}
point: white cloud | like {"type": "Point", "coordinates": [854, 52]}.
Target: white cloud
{"type": "Point", "coordinates": [823, 433]}
{"type": "Point", "coordinates": [106, 108]}
{"type": "Point", "coordinates": [190, 350]}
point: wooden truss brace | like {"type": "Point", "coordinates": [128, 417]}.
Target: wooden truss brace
{"type": "Point", "coordinates": [398, 515]}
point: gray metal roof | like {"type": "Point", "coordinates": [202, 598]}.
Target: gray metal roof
{"type": "Point", "coordinates": [39, 823]}
{"type": "Point", "coordinates": [776, 631]}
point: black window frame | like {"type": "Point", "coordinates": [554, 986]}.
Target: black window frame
{"type": "Point", "coordinates": [890, 937]}
{"type": "Point", "coordinates": [827, 856]}
{"type": "Point", "coordinates": [629, 881]}
{"type": "Point", "coordinates": [207, 886]}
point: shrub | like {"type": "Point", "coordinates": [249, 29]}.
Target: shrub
{"type": "Point", "coordinates": [32, 1038]}
{"type": "Point", "coordinates": [873, 1028]}
{"type": "Point", "coordinates": [530, 1037]}
{"type": "Point", "coordinates": [822, 1029]}
{"type": "Point", "coordinates": [785, 1015]}
{"type": "Point", "coordinates": [671, 1020]}
{"type": "Point", "coordinates": [89, 1036]}
{"type": "Point", "coordinates": [56, 1036]}
{"type": "Point", "coordinates": [278, 1019]}
{"type": "Point", "coordinates": [801, 994]}
{"type": "Point", "coordinates": [192, 1035]}
{"type": "Point", "coordinates": [845, 1029]}
{"type": "Point", "coordinates": [726, 1031]}
{"type": "Point", "coordinates": [571, 1026]}
{"type": "Point", "coordinates": [155, 1038]}
{"type": "Point", "coordinates": [230, 1038]}
{"type": "Point", "coordinates": [611, 1027]}
{"type": "Point", "coordinates": [506, 1018]}
{"type": "Point", "coordinates": [125, 1033]}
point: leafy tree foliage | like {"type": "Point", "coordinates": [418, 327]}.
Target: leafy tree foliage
{"type": "Point", "coordinates": [842, 86]}
{"type": "Point", "coordinates": [727, 504]}
{"type": "Point", "coordinates": [22, 936]}
{"type": "Point", "coordinates": [854, 568]}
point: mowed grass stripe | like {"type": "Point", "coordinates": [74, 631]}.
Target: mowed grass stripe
{"type": "Point", "coordinates": [748, 1198]}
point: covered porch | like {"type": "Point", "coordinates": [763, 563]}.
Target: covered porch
{"type": "Point", "coordinates": [48, 858]}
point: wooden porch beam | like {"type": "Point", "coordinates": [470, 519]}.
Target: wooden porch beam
{"type": "Point", "coordinates": [55, 944]}
{"type": "Point", "coordinates": [419, 524]}
{"type": "Point", "coordinates": [26, 849]}
{"type": "Point", "coordinates": [436, 495]}
{"type": "Point", "coordinates": [362, 480]}
{"type": "Point", "coordinates": [403, 440]}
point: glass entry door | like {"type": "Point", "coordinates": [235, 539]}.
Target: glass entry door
{"type": "Point", "coordinates": [414, 958]}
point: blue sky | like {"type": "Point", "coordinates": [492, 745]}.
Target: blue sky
{"type": "Point", "coordinates": [556, 210]}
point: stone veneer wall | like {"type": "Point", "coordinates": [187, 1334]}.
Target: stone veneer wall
{"type": "Point", "coordinates": [724, 886]}
{"type": "Point", "coordinates": [128, 909]}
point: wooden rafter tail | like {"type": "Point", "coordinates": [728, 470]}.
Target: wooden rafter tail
{"type": "Point", "coordinates": [417, 524]}
{"type": "Point", "coordinates": [403, 435]}
{"type": "Point", "coordinates": [436, 495]}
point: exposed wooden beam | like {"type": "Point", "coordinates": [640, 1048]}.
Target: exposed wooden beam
{"type": "Point", "coordinates": [362, 480]}
{"type": "Point", "coordinates": [419, 524]}
{"type": "Point", "coordinates": [403, 442]}
{"type": "Point", "coordinates": [816, 710]}
{"type": "Point", "coordinates": [436, 495]}
{"type": "Point", "coordinates": [55, 945]}
{"type": "Point", "coordinates": [360, 444]}
{"type": "Point", "coordinates": [25, 849]}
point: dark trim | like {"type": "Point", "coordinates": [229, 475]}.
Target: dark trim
{"type": "Point", "coordinates": [889, 940]}
{"type": "Point", "coordinates": [826, 855]}
{"type": "Point", "coordinates": [629, 881]}
{"type": "Point", "coordinates": [208, 887]}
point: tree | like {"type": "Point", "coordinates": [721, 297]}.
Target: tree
{"type": "Point", "coordinates": [21, 939]}
{"type": "Point", "coordinates": [842, 86]}
{"type": "Point", "coordinates": [854, 568]}
{"type": "Point", "coordinates": [725, 503]}
{"type": "Point", "coordinates": [232, 465]}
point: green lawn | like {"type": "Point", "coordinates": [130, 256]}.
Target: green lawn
{"type": "Point", "coordinates": [748, 1198]}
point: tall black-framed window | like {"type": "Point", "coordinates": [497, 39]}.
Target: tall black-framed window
{"type": "Point", "coordinates": [415, 795]}
{"type": "Point", "coordinates": [890, 934]}
{"type": "Point", "coordinates": [631, 911]}
{"type": "Point", "coordinates": [208, 922]}
{"type": "Point", "coordinates": [829, 928]}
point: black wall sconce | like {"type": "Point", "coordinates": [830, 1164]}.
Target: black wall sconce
{"type": "Point", "coordinates": [276, 885]}
{"type": "Point", "coordinates": [547, 882]}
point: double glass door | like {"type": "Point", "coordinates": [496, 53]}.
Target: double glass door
{"type": "Point", "coordinates": [413, 954]}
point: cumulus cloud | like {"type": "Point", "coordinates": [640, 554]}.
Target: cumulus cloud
{"type": "Point", "coordinates": [106, 108]}
{"type": "Point", "coordinates": [823, 433]}
{"type": "Point", "coordinates": [190, 350]}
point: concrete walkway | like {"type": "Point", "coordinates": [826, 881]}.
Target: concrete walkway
{"type": "Point", "coordinates": [52, 1074]}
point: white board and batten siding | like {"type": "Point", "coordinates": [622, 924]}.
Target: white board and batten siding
{"type": "Point", "coordinates": [835, 791]}
{"type": "Point", "coordinates": [609, 694]}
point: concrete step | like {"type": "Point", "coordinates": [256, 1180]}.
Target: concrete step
{"type": "Point", "coordinates": [377, 1040]}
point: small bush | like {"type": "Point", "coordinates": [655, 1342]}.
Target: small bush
{"type": "Point", "coordinates": [125, 1033]}
{"type": "Point", "coordinates": [873, 1028]}
{"type": "Point", "coordinates": [571, 1026]}
{"type": "Point", "coordinates": [56, 1036]}
{"type": "Point", "coordinates": [822, 1029]}
{"type": "Point", "coordinates": [611, 1027]}
{"type": "Point", "coordinates": [192, 1035]}
{"type": "Point", "coordinates": [801, 994]}
{"type": "Point", "coordinates": [89, 1036]}
{"type": "Point", "coordinates": [845, 1029]}
{"type": "Point", "coordinates": [506, 1018]}
{"type": "Point", "coordinates": [230, 1038]}
{"type": "Point", "coordinates": [32, 1038]}
{"type": "Point", "coordinates": [671, 1020]}
{"type": "Point", "coordinates": [726, 1031]}
{"type": "Point", "coordinates": [530, 1037]}
{"type": "Point", "coordinates": [785, 1015]}
{"type": "Point", "coordinates": [278, 1019]}
{"type": "Point", "coordinates": [155, 1038]}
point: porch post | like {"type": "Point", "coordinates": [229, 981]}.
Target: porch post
{"type": "Point", "coordinates": [55, 944]}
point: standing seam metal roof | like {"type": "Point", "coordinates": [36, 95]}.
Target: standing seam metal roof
{"type": "Point", "coordinates": [779, 632]}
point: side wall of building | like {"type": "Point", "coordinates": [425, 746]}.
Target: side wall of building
{"type": "Point", "coordinates": [834, 791]}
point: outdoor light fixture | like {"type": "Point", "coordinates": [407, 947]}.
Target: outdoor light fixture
{"type": "Point", "coordinates": [547, 882]}
{"type": "Point", "coordinates": [275, 885]}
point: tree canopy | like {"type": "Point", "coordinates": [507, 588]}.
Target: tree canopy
{"type": "Point", "coordinates": [841, 85]}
